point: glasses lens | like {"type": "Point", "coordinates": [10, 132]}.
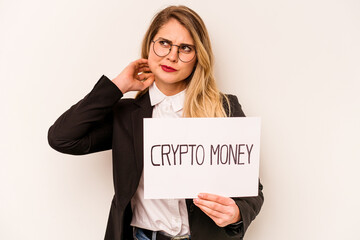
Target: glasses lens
{"type": "Point", "coordinates": [186, 53]}
{"type": "Point", "coordinates": [162, 48]}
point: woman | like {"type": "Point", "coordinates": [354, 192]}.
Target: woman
{"type": "Point", "coordinates": [175, 79]}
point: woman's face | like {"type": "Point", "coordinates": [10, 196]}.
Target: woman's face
{"type": "Point", "coordinates": [170, 72]}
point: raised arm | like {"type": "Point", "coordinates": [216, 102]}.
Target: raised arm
{"type": "Point", "coordinates": [87, 126]}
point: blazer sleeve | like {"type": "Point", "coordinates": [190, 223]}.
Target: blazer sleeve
{"type": "Point", "coordinates": [249, 206]}
{"type": "Point", "coordinates": [87, 126]}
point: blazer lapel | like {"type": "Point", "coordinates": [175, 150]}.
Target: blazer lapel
{"type": "Point", "coordinates": [144, 111]}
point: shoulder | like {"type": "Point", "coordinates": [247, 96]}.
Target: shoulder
{"type": "Point", "coordinates": [232, 106]}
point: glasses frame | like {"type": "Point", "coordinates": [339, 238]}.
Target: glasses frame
{"type": "Point", "coordinates": [171, 45]}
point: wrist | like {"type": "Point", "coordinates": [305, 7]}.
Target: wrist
{"type": "Point", "coordinates": [120, 84]}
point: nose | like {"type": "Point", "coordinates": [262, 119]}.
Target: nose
{"type": "Point", "coordinates": [173, 55]}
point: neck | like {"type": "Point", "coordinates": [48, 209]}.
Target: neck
{"type": "Point", "coordinates": [172, 88]}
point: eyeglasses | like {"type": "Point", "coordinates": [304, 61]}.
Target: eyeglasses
{"type": "Point", "coordinates": [162, 48]}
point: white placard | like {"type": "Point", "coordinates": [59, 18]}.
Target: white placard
{"type": "Point", "coordinates": [187, 156]}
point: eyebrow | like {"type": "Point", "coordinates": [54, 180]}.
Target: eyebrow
{"type": "Point", "coordinates": [172, 42]}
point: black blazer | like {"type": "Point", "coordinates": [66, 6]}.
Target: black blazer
{"type": "Point", "coordinates": [101, 121]}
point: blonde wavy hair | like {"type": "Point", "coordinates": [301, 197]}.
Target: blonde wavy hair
{"type": "Point", "coordinates": [203, 99]}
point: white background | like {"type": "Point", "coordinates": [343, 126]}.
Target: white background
{"type": "Point", "coordinates": [295, 64]}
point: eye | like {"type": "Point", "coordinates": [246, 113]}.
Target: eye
{"type": "Point", "coordinates": [164, 43]}
{"type": "Point", "coordinates": [186, 49]}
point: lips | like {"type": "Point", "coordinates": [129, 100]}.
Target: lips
{"type": "Point", "coordinates": [168, 68]}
